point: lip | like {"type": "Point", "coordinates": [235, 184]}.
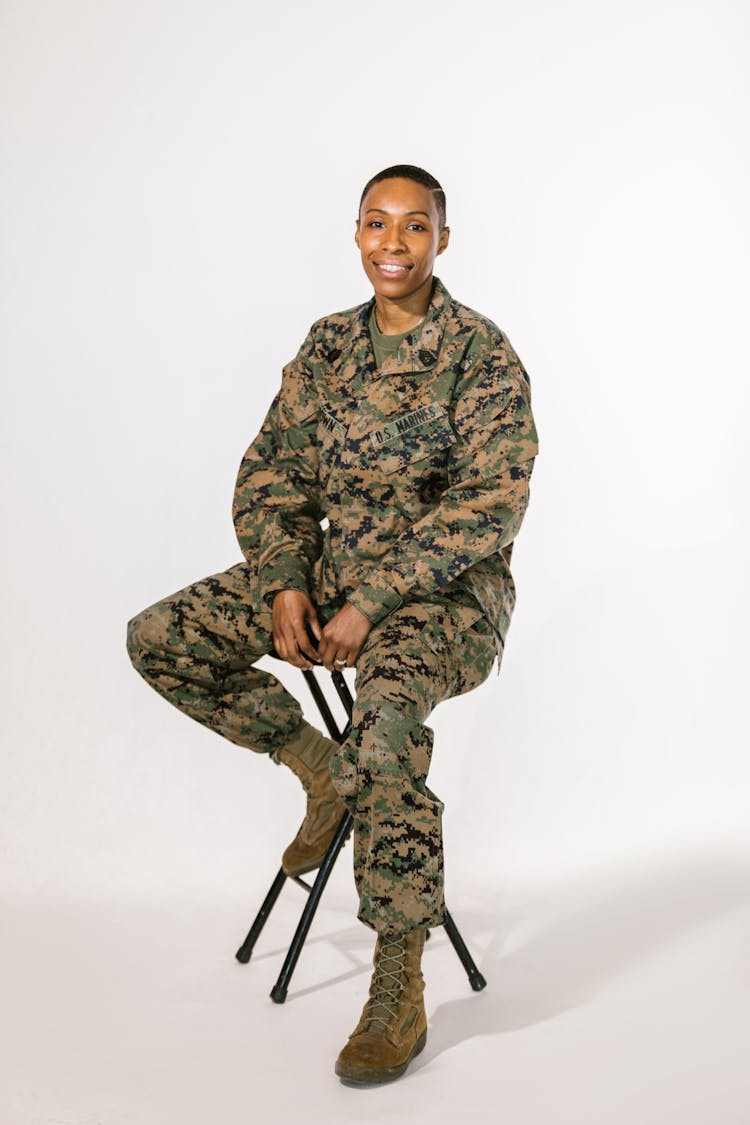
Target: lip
{"type": "Point", "coordinates": [401, 270]}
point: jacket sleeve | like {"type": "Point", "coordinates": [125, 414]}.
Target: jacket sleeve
{"type": "Point", "coordinates": [489, 467]}
{"type": "Point", "coordinates": [278, 500]}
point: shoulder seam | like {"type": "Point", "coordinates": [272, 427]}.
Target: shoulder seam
{"type": "Point", "coordinates": [344, 315]}
{"type": "Point", "coordinates": [469, 316]}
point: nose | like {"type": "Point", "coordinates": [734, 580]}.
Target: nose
{"type": "Point", "coordinates": [392, 239]}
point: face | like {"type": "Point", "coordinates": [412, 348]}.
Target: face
{"type": "Point", "coordinates": [399, 236]}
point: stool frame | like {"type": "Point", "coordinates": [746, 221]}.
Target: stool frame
{"type": "Point", "coordinates": [315, 891]}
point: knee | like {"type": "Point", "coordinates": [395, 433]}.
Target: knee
{"type": "Point", "coordinates": [387, 745]}
{"type": "Point", "coordinates": [133, 642]}
{"type": "Point", "coordinates": [145, 635]}
{"type": "Point", "coordinates": [343, 770]}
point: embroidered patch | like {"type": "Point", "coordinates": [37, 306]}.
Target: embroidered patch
{"type": "Point", "coordinates": [405, 423]}
{"type": "Point", "coordinates": [332, 424]}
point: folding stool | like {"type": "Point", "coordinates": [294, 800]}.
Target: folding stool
{"type": "Point", "coordinates": [314, 892]}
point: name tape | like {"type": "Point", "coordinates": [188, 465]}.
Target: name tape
{"type": "Point", "coordinates": [405, 423]}
{"type": "Point", "coordinates": [332, 424]}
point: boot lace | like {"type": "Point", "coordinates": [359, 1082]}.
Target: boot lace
{"type": "Point", "coordinates": [387, 985]}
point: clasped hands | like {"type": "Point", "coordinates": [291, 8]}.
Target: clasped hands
{"type": "Point", "coordinates": [339, 641]}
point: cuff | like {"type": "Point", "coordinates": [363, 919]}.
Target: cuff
{"type": "Point", "coordinates": [375, 601]}
{"type": "Point", "coordinates": [286, 572]}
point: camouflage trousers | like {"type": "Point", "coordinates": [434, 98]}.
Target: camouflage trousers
{"type": "Point", "coordinates": [198, 648]}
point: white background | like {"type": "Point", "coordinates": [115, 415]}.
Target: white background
{"type": "Point", "coordinates": [178, 199]}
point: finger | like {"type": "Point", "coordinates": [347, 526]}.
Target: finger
{"type": "Point", "coordinates": [312, 621]}
{"type": "Point", "coordinates": [299, 661]}
{"type": "Point", "coordinates": [337, 661]}
{"type": "Point", "coordinates": [303, 641]}
{"type": "Point", "coordinates": [327, 651]}
{"type": "Point", "coordinates": [353, 654]}
{"type": "Point", "coordinates": [326, 648]}
{"type": "Point", "coordinates": [290, 637]}
{"type": "Point", "coordinates": [293, 655]}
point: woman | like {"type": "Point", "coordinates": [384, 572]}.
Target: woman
{"type": "Point", "coordinates": [406, 424]}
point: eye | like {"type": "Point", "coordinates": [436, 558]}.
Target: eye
{"type": "Point", "coordinates": [375, 223]}
{"type": "Point", "coordinates": [416, 226]}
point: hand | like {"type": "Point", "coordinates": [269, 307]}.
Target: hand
{"type": "Point", "coordinates": [343, 637]}
{"type": "Point", "coordinates": [292, 612]}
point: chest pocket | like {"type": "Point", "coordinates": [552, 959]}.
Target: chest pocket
{"type": "Point", "coordinates": [411, 438]}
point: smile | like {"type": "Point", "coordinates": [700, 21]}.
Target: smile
{"type": "Point", "coordinates": [389, 267]}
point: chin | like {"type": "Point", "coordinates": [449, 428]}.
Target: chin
{"type": "Point", "coordinates": [401, 288]}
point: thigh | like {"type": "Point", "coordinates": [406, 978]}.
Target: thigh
{"type": "Point", "coordinates": [423, 653]}
{"type": "Point", "coordinates": [220, 618]}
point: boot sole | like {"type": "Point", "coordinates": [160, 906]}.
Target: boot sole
{"type": "Point", "coordinates": [371, 1076]}
{"type": "Point", "coordinates": [295, 872]}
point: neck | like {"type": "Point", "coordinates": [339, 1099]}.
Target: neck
{"type": "Point", "coordinates": [396, 316]}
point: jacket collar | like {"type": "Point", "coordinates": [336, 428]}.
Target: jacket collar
{"type": "Point", "coordinates": [419, 351]}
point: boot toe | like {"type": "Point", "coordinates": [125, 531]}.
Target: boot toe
{"type": "Point", "coordinates": [298, 858]}
{"type": "Point", "coordinates": [368, 1059]}
{"type": "Point", "coordinates": [304, 855]}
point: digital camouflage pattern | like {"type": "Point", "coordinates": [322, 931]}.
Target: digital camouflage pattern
{"type": "Point", "coordinates": [421, 468]}
{"type": "Point", "coordinates": [420, 655]}
{"type": "Point", "coordinates": [198, 648]}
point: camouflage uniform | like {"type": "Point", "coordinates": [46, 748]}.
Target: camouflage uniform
{"type": "Point", "coordinates": [421, 470]}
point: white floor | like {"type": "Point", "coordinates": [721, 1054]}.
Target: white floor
{"type": "Point", "coordinates": [617, 1000]}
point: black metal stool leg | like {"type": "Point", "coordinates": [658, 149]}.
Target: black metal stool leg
{"type": "Point", "coordinates": [279, 990]}
{"type": "Point", "coordinates": [244, 953]}
{"type": "Point", "coordinates": [476, 980]}
{"type": "Point", "coordinates": [322, 703]}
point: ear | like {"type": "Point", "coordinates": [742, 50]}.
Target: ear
{"type": "Point", "coordinates": [356, 231]}
{"type": "Point", "coordinates": [443, 239]}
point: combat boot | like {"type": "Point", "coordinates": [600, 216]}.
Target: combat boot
{"type": "Point", "coordinates": [308, 755]}
{"type": "Point", "coordinates": [393, 1026]}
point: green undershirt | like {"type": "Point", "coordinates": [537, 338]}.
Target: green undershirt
{"type": "Point", "coordinates": [383, 345]}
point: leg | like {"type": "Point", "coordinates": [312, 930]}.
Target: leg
{"type": "Point", "coordinates": [197, 648]}
{"type": "Point", "coordinates": [418, 657]}
{"type": "Point", "coordinates": [421, 655]}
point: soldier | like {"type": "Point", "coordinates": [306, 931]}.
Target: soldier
{"type": "Point", "coordinates": [406, 424]}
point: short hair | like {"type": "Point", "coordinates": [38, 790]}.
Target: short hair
{"type": "Point", "coordinates": [410, 172]}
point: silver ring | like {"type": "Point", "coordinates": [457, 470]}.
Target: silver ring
{"type": "Point", "coordinates": [341, 663]}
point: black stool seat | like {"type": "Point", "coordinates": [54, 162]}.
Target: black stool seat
{"type": "Point", "coordinates": [315, 891]}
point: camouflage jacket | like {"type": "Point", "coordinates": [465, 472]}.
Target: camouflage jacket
{"type": "Point", "coordinates": [386, 485]}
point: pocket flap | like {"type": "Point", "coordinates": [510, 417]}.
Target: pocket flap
{"type": "Point", "coordinates": [412, 437]}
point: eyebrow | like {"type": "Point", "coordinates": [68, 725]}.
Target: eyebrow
{"type": "Point", "coordinates": [384, 212]}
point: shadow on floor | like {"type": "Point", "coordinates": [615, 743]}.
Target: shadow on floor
{"type": "Point", "coordinates": [559, 951]}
